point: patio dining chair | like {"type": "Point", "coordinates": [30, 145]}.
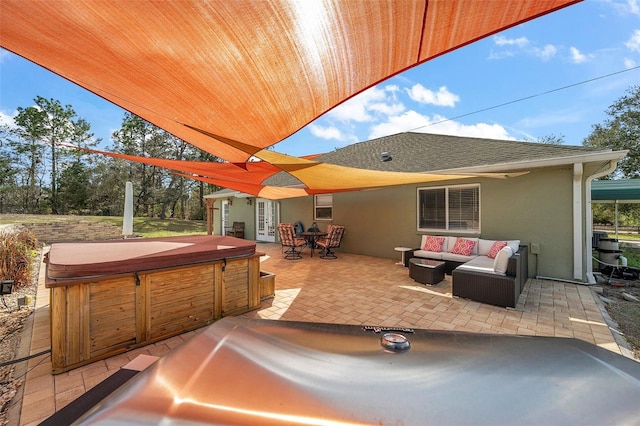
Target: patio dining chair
{"type": "Point", "coordinates": [291, 245]}
{"type": "Point", "coordinates": [236, 230]}
{"type": "Point", "coordinates": [331, 241]}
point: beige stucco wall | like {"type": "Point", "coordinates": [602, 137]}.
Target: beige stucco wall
{"type": "Point", "coordinates": [297, 210]}
{"type": "Point", "coordinates": [536, 207]}
{"type": "Point", "coordinates": [239, 211]}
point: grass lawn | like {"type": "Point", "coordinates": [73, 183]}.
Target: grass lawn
{"type": "Point", "coordinates": [142, 226]}
{"type": "Point", "coordinates": [153, 227]}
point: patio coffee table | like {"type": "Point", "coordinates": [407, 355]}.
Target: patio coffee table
{"type": "Point", "coordinates": [426, 271]}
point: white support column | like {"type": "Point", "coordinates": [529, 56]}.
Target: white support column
{"type": "Point", "coordinates": [577, 222]}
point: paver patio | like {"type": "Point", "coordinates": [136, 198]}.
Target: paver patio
{"type": "Point", "coordinates": [352, 289]}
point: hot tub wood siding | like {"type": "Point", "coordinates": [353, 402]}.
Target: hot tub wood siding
{"type": "Point", "coordinates": [95, 318]}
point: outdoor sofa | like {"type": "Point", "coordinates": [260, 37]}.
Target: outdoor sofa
{"type": "Point", "coordinates": [487, 271]}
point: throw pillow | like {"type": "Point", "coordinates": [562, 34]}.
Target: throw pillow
{"type": "Point", "coordinates": [495, 248]}
{"type": "Point", "coordinates": [502, 260]}
{"type": "Point", "coordinates": [433, 244]}
{"type": "Point", "coordinates": [463, 246]}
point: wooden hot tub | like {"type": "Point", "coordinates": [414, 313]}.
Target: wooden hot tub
{"type": "Point", "coordinates": [111, 296]}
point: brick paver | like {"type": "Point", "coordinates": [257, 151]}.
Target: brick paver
{"type": "Point", "coordinates": [352, 289]}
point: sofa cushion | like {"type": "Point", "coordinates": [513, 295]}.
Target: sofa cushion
{"type": "Point", "coordinates": [433, 243]}
{"type": "Point", "coordinates": [478, 264]}
{"type": "Point", "coordinates": [495, 248]}
{"type": "Point", "coordinates": [436, 255]}
{"type": "Point", "coordinates": [457, 257]}
{"type": "Point", "coordinates": [449, 243]}
{"type": "Point", "coordinates": [501, 261]}
{"type": "Point", "coordinates": [484, 246]}
{"type": "Point", "coordinates": [514, 244]}
{"type": "Point", "coordinates": [463, 246]}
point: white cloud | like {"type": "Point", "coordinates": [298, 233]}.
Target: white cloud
{"type": "Point", "coordinates": [478, 130]}
{"type": "Point", "coordinates": [387, 109]}
{"type": "Point", "coordinates": [633, 6]}
{"type": "Point", "coordinates": [4, 55]}
{"type": "Point", "coordinates": [577, 57]}
{"type": "Point", "coordinates": [518, 42]}
{"type": "Point", "coordinates": [551, 118]}
{"type": "Point", "coordinates": [415, 122]}
{"type": "Point", "coordinates": [624, 7]}
{"type": "Point", "coordinates": [7, 120]}
{"type": "Point", "coordinates": [331, 133]}
{"type": "Point", "coordinates": [392, 88]}
{"type": "Point", "coordinates": [500, 55]}
{"type": "Point", "coordinates": [511, 47]}
{"type": "Point", "coordinates": [357, 108]}
{"type": "Point", "coordinates": [629, 63]}
{"type": "Point", "coordinates": [442, 97]}
{"type": "Point", "coordinates": [634, 42]}
{"type": "Point", "coordinates": [398, 124]}
{"type": "Point", "coordinates": [546, 53]}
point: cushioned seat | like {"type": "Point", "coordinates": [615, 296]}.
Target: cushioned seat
{"type": "Point", "coordinates": [291, 244]}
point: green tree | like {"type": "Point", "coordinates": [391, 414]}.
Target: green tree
{"type": "Point", "coordinates": [158, 192]}
{"type": "Point", "coordinates": [552, 139]}
{"type": "Point", "coordinates": [73, 191]}
{"type": "Point", "coordinates": [27, 156]}
{"type": "Point", "coordinates": [135, 137]}
{"type": "Point", "coordinates": [7, 173]}
{"type": "Point", "coordinates": [109, 175]}
{"type": "Point", "coordinates": [41, 133]}
{"type": "Point", "coordinates": [620, 131]}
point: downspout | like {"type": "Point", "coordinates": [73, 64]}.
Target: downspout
{"type": "Point", "coordinates": [589, 218]}
{"type": "Point", "coordinates": [577, 221]}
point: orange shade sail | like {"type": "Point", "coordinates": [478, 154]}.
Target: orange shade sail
{"type": "Point", "coordinates": [244, 70]}
{"type": "Point", "coordinates": [315, 177]}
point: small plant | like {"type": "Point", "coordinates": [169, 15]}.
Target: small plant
{"type": "Point", "coordinates": [17, 249]}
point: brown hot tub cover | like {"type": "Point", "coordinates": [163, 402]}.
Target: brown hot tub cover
{"type": "Point", "coordinates": [87, 259]}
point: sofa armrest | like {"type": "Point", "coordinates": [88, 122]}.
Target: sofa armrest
{"type": "Point", "coordinates": [518, 267]}
{"type": "Point", "coordinates": [513, 267]}
{"type": "Point", "coordinates": [518, 262]}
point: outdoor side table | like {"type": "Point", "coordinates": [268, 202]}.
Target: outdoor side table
{"type": "Point", "coordinates": [426, 271]}
{"type": "Point", "coordinates": [403, 260]}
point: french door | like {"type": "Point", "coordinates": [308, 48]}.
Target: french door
{"type": "Point", "coordinates": [224, 216]}
{"type": "Point", "coordinates": [266, 220]}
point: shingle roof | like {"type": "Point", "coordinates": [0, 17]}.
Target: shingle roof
{"type": "Point", "coordinates": [425, 152]}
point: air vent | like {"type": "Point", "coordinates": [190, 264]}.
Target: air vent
{"type": "Point", "coordinates": [385, 156]}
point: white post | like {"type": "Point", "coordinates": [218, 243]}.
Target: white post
{"type": "Point", "coordinates": [616, 218]}
{"type": "Point", "coordinates": [127, 222]}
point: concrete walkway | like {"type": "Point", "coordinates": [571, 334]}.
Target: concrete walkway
{"type": "Point", "coordinates": [352, 289]}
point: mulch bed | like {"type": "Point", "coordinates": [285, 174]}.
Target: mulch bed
{"type": "Point", "coordinates": [624, 312]}
{"type": "Point", "coordinates": [12, 321]}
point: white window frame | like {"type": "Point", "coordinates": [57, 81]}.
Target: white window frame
{"type": "Point", "coordinates": [326, 202]}
{"type": "Point", "coordinates": [447, 220]}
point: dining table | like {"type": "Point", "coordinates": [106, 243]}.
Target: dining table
{"type": "Point", "coordinates": [312, 238]}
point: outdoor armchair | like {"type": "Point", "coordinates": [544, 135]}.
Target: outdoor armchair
{"type": "Point", "coordinates": [291, 245]}
{"type": "Point", "coordinates": [331, 241]}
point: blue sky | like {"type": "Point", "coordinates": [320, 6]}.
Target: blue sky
{"type": "Point", "coordinates": [583, 42]}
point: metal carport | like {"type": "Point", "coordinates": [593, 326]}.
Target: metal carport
{"type": "Point", "coordinates": [616, 192]}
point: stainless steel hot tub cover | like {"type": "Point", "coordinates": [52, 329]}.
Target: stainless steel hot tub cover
{"type": "Point", "coordinates": [250, 371]}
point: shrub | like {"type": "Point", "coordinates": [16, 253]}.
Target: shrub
{"type": "Point", "coordinates": [17, 249]}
